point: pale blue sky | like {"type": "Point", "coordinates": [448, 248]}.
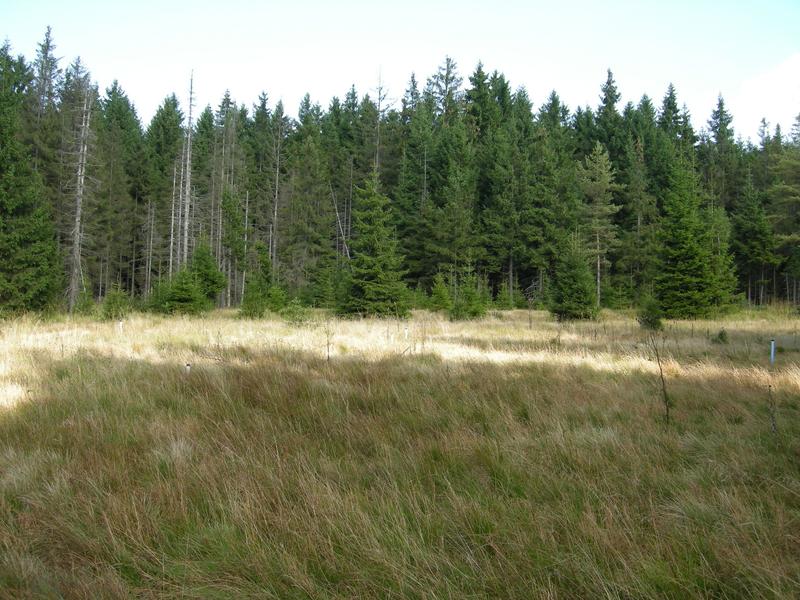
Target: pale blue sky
{"type": "Point", "coordinates": [750, 52]}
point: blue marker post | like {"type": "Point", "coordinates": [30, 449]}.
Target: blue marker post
{"type": "Point", "coordinates": [773, 409]}
{"type": "Point", "coordinates": [772, 353]}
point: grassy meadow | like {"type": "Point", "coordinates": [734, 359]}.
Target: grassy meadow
{"type": "Point", "coordinates": [512, 457]}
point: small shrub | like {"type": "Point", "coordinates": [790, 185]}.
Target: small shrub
{"type": "Point", "coordinates": [209, 279]}
{"type": "Point", "coordinates": [721, 337]}
{"type": "Point", "coordinates": [295, 313]}
{"type": "Point", "coordinates": [181, 295]}
{"type": "Point", "coordinates": [85, 306]}
{"type": "Point", "coordinates": [276, 299]}
{"type": "Point", "coordinates": [440, 294]}
{"type": "Point", "coordinates": [470, 301]}
{"type": "Point", "coordinates": [254, 303]}
{"type": "Point", "coordinates": [649, 316]}
{"type": "Point", "coordinates": [509, 300]}
{"type": "Point", "coordinates": [419, 299]}
{"type": "Point", "coordinates": [116, 305]}
{"type": "Point", "coordinates": [573, 293]}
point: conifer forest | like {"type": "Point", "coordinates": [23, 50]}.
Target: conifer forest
{"type": "Point", "coordinates": [444, 341]}
{"type": "Point", "coordinates": [362, 206]}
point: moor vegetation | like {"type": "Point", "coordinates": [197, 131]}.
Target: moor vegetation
{"type": "Point", "coordinates": [511, 457]}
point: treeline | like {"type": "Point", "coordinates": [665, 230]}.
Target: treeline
{"type": "Point", "coordinates": [463, 188]}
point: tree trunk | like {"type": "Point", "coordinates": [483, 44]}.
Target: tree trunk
{"type": "Point", "coordinates": [172, 219]}
{"type": "Point", "coordinates": [77, 232]}
{"type": "Point", "coordinates": [597, 248]}
{"type": "Point", "coordinates": [179, 207]}
{"type": "Point", "coordinates": [149, 268]}
{"type": "Point", "coordinates": [188, 191]}
{"type": "Point", "coordinates": [511, 280]}
{"type": "Point", "coordinates": [244, 267]}
{"type": "Point", "coordinates": [274, 226]}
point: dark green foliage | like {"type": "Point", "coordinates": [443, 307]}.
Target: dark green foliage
{"type": "Point", "coordinates": [650, 315]}
{"type": "Point", "coordinates": [209, 278]}
{"type": "Point", "coordinates": [256, 293]}
{"type": "Point", "coordinates": [470, 173]}
{"type": "Point", "coordinates": [440, 294]}
{"type": "Point", "coordinates": [573, 291]}
{"type": "Point", "coordinates": [261, 295]}
{"type": "Point", "coordinates": [596, 182]}
{"type": "Point", "coordinates": [509, 298]}
{"type": "Point", "coordinates": [376, 285]}
{"type": "Point", "coordinates": [721, 337]}
{"type": "Point", "coordinates": [116, 305]}
{"type": "Point", "coordinates": [182, 295]}
{"type": "Point", "coordinates": [85, 306]}
{"type": "Point", "coordinates": [471, 297]}
{"type": "Point", "coordinates": [754, 244]}
{"type": "Point", "coordinates": [29, 270]}
{"type": "Point", "coordinates": [295, 312]}
{"type": "Point", "coordinates": [723, 280]}
{"type": "Point", "coordinates": [685, 286]}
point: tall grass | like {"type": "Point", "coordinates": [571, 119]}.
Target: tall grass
{"type": "Point", "coordinates": [424, 460]}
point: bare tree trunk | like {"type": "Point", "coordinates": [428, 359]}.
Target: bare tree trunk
{"type": "Point", "coordinates": [244, 267]}
{"type": "Point", "coordinates": [424, 176]}
{"type": "Point", "coordinates": [274, 226]}
{"type": "Point", "coordinates": [179, 207]}
{"type": "Point", "coordinates": [597, 248]}
{"type": "Point", "coordinates": [221, 191]}
{"type": "Point", "coordinates": [188, 191]}
{"type": "Point", "coordinates": [172, 220]}
{"type": "Point", "coordinates": [349, 216]}
{"type": "Point", "coordinates": [511, 280]}
{"type": "Point", "coordinates": [77, 232]}
{"type": "Point", "coordinates": [132, 271]}
{"type": "Point", "coordinates": [149, 268]}
{"type": "Point", "coordinates": [381, 98]}
{"type": "Point", "coordinates": [230, 278]}
{"type": "Point", "coordinates": [100, 279]}
{"type": "Point", "coordinates": [339, 222]}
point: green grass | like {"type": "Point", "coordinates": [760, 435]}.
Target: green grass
{"type": "Point", "coordinates": [270, 473]}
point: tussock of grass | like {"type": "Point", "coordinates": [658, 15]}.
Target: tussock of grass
{"type": "Point", "coordinates": [268, 471]}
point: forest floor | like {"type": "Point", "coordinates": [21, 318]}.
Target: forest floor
{"type": "Point", "coordinates": [510, 457]}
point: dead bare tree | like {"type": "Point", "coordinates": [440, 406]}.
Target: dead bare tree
{"type": "Point", "coordinates": [172, 220]}
{"type": "Point", "coordinates": [244, 266]}
{"type": "Point", "coordinates": [187, 192]}
{"type": "Point", "coordinates": [75, 280]}
{"type": "Point", "coordinates": [652, 340]}
{"type": "Point", "coordinates": [277, 147]}
{"type": "Point", "coordinates": [339, 222]}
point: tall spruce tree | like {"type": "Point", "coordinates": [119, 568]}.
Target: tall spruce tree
{"type": "Point", "coordinates": [29, 271]}
{"type": "Point", "coordinates": [596, 180]}
{"type": "Point", "coordinates": [376, 276]}
{"type": "Point", "coordinates": [685, 285]}
{"type": "Point", "coordinates": [573, 292]}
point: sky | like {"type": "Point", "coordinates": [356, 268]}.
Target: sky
{"type": "Point", "coordinates": [747, 51]}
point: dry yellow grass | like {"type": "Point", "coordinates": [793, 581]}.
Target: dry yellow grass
{"type": "Point", "coordinates": [425, 459]}
{"type": "Point", "coordinates": [613, 344]}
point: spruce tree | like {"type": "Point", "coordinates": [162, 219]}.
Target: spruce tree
{"type": "Point", "coordinates": [685, 283]}
{"type": "Point", "coordinates": [573, 291]}
{"type": "Point", "coordinates": [596, 180]}
{"type": "Point", "coordinates": [376, 284]}
{"type": "Point", "coordinates": [609, 122]}
{"type": "Point", "coordinates": [256, 292]}
{"type": "Point", "coordinates": [204, 268]}
{"type": "Point", "coordinates": [722, 265]}
{"type": "Point", "coordinates": [639, 243]}
{"type": "Point", "coordinates": [29, 272]}
{"type": "Point", "coordinates": [440, 294]}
